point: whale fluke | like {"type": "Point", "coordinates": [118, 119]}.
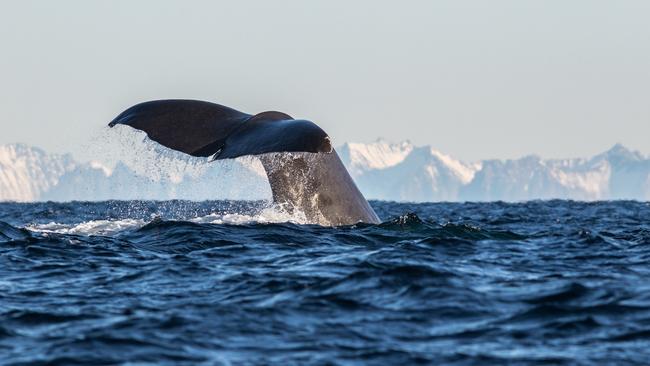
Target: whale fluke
{"type": "Point", "coordinates": [201, 128]}
{"type": "Point", "coordinates": [304, 172]}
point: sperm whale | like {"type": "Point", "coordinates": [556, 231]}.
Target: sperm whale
{"type": "Point", "coordinates": [303, 169]}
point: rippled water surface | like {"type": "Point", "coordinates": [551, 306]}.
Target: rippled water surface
{"type": "Point", "coordinates": [232, 283]}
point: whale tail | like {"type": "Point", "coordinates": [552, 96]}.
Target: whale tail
{"type": "Point", "coordinates": [201, 128]}
{"type": "Point", "coordinates": [303, 169]}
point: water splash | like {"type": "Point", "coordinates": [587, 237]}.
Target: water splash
{"type": "Point", "coordinates": [135, 167]}
{"type": "Point", "coordinates": [91, 227]}
{"type": "Point", "coordinates": [267, 214]}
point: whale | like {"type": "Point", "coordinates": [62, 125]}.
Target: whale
{"type": "Point", "coordinates": [303, 169]}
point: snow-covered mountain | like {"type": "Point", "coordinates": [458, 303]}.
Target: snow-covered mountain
{"type": "Point", "coordinates": [382, 170]}
{"type": "Point", "coordinates": [27, 172]}
{"type": "Point", "coordinates": [30, 174]}
{"type": "Point", "coordinates": [402, 172]}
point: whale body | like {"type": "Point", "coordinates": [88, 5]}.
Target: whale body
{"type": "Point", "coordinates": [304, 171]}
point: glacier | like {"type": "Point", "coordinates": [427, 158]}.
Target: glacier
{"type": "Point", "coordinates": [382, 170]}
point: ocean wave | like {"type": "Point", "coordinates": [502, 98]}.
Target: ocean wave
{"type": "Point", "coordinates": [213, 282]}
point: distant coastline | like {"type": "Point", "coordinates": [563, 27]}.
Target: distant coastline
{"type": "Point", "coordinates": [382, 170]}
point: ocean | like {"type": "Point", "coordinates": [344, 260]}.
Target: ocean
{"type": "Point", "coordinates": [237, 283]}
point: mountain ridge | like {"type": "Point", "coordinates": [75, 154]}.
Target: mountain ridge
{"type": "Point", "coordinates": [618, 173]}
{"type": "Point", "coordinates": [387, 171]}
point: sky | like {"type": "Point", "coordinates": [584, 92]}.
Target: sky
{"type": "Point", "coordinates": [474, 79]}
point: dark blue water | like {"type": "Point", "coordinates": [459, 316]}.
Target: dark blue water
{"type": "Point", "coordinates": [186, 283]}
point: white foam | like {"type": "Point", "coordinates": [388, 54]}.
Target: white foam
{"type": "Point", "coordinates": [92, 227]}
{"type": "Point", "coordinates": [270, 215]}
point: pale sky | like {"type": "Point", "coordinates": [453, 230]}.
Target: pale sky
{"type": "Point", "coordinates": [475, 79]}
